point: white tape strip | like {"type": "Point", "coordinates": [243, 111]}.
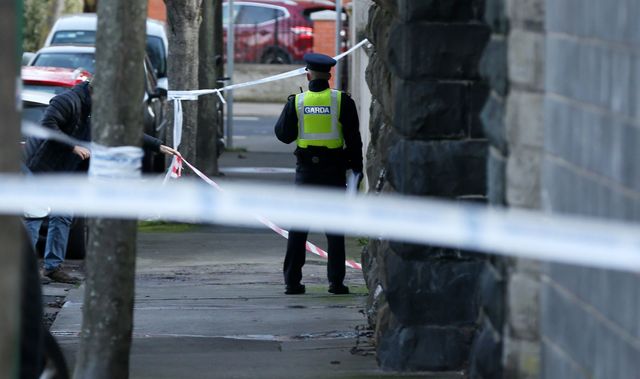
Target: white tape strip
{"type": "Point", "coordinates": [106, 162]}
{"type": "Point", "coordinates": [31, 129]}
{"type": "Point", "coordinates": [285, 233]}
{"type": "Point", "coordinates": [116, 162]}
{"type": "Point", "coordinates": [193, 95]}
{"type": "Point", "coordinates": [525, 234]}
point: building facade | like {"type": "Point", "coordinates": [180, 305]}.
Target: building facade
{"type": "Point", "coordinates": [520, 103]}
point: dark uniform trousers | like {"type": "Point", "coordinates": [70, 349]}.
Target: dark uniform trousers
{"type": "Point", "coordinates": [296, 251]}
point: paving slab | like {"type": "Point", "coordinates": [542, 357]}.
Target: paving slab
{"type": "Point", "coordinates": [210, 303]}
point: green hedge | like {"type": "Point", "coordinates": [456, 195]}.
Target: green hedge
{"type": "Point", "coordinates": [37, 18]}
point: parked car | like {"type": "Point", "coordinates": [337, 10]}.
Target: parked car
{"type": "Point", "coordinates": [26, 57]}
{"type": "Point", "coordinates": [155, 97]}
{"type": "Point", "coordinates": [73, 57]}
{"type": "Point", "coordinates": [273, 31]}
{"type": "Point", "coordinates": [52, 80]}
{"type": "Point", "coordinates": [80, 29]}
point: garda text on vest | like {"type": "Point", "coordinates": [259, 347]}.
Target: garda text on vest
{"type": "Point", "coordinates": [317, 109]}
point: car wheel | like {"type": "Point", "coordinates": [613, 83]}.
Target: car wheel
{"type": "Point", "coordinates": [276, 56]}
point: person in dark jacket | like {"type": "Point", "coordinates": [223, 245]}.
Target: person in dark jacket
{"type": "Point", "coordinates": [324, 123]}
{"type": "Point", "coordinates": [69, 113]}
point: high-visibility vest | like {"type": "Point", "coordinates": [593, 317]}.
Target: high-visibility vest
{"type": "Point", "coordinates": [319, 119]}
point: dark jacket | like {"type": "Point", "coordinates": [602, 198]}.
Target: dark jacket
{"type": "Point", "coordinates": [322, 158]}
{"type": "Point", "coordinates": [69, 113]}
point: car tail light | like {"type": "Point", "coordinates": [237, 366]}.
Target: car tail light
{"type": "Point", "coordinates": [81, 76]}
{"type": "Point", "coordinates": [302, 31]}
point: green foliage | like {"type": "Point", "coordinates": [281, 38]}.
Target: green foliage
{"type": "Point", "coordinates": [38, 20]}
{"type": "Point", "coordinates": [35, 14]}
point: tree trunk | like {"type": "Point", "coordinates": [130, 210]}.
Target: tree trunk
{"type": "Point", "coordinates": [183, 17]}
{"type": "Point", "coordinates": [210, 69]}
{"type": "Point", "coordinates": [9, 162]}
{"type": "Point", "coordinates": [107, 319]}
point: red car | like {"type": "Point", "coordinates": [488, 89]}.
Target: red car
{"type": "Point", "coordinates": [273, 31]}
{"type": "Point", "coordinates": [52, 79]}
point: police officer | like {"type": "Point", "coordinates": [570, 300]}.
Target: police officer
{"type": "Point", "coordinates": [324, 123]}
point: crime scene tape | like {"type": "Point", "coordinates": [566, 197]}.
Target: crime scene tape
{"type": "Point", "coordinates": [519, 233]}
{"type": "Point", "coordinates": [176, 163]}
{"type": "Point", "coordinates": [125, 161]}
{"type": "Point", "coordinates": [310, 247]}
{"type": "Point", "coordinates": [471, 227]}
{"type": "Point", "coordinates": [193, 94]}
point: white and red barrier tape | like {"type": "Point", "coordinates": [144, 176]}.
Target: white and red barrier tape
{"type": "Point", "coordinates": [470, 227]}
{"type": "Point", "coordinates": [177, 167]}
{"type": "Point", "coordinates": [176, 164]}
{"type": "Point", "coordinates": [518, 233]}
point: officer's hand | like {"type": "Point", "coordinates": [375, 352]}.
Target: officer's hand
{"type": "Point", "coordinates": [82, 152]}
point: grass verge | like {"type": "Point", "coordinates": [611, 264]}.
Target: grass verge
{"type": "Point", "coordinates": [163, 227]}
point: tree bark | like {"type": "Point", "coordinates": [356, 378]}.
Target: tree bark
{"type": "Point", "coordinates": [184, 17]}
{"type": "Point", "coordinates": [210, 69]}
{"type": "Point", "coordinates": [110, 263]}
{"type": "Point", "coordinates": [9, 162]}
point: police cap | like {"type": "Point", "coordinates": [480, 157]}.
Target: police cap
{"type": "Point", "coordinates": [319, 62]}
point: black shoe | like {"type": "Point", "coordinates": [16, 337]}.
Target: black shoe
{"type": "Point", "coordinates": [297, 289]}
{"type": "Point", "coordinates": [338, 289]}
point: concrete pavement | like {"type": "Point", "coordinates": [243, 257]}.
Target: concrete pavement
{"type": "Point", "coordinates": [210, 302]}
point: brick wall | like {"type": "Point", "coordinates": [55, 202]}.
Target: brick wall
{"type": "Point", "coordinates": [324, 40]}
{"type": "Point", "coordinates": [590, 326]}
{"type": "Point", "coordinates": [324, 37]}
{"type": "Point", "coordinates": [157, 10]}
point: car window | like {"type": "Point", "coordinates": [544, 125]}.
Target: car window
{"type": "Point", "coordinates": [253, 14]}
{"type": "Point", "coordinates": [74, 37]}
{"type": "Point", "coordinates": [225, 14]}
{"type": "Point", "coordinates": [70, 60]}
{"type": "Point", "coordinates": [154, 46]}
{"type": "Point", "coordinates": [157, 55]}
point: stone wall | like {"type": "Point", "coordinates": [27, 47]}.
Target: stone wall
{"type": "Point", "coordinates": [589, 323]}
{"type": "Point", "coordinates": [514, 64]}
{"type": "Point", "coordinates": [430, 305]}
{"type": "Point", "coordinates": [557, 92]}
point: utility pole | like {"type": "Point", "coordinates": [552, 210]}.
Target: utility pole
{"type": "Point", "coordinates": [338, 40]}
{"type": "Point", "coordinates": [10, 269]}
{"type": "Point", "coordinates": [107, 316]}
{"type": "Point", "coordinates": [230, 68]}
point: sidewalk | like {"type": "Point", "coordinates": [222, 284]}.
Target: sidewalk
{"type": "Point", "coordinates": [210, 304]}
